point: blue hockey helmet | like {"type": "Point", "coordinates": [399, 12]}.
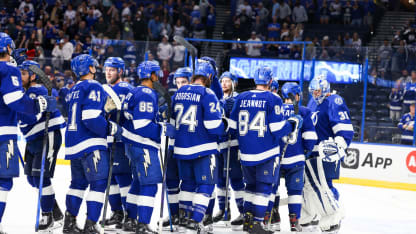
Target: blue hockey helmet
{"type": "Point", "coordinates": [319, 83]}
{"type": "Point", "coordinates": [183, 72]}
{"type": "Point", "coordinates": [290, 87]}
{"type": "Point", "coordinates": [81, 64]}
{"type": "Point", "coordinates": [212, 62]}
{"type": "Point", "coordinates": [115, 62]}
{"type": "Point", "coordinates": [6, 40]}
{"type": "Point", "coordinates": [26, 64]}
{"type": "Point", "coordinates": [263, 75]}
{"type": "Point", "coordinates": [146, 68]}
{"type": "Point", "coordinates": [228, 74]}
{"type": "Point", "coordinates": [274, 86]}
{"type": "Point", "coordinates": [204, 68]}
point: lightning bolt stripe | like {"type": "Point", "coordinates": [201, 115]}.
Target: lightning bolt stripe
{"type": "Point", "coordinates": [10, 152]}
{"type": "Point", "coordinates": [146, 163]}
{"type": "Point", "coordinates": [50, 149]}
{"type": "Point", "coordinates": [95, 159]}
{"type": "Point", "coordinates": [212, 165]}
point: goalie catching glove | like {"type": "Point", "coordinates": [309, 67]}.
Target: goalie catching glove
{"type": "Point", "coordinates": [332, 150]}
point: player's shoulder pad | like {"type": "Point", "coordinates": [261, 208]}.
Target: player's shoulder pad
{"type": "Point", "coordinates": [144, 92]}
{"type": "Point", "coordinates": [124, 84]}
{"type": "Point", "coordinates": [209, 91]}
{"type": "Point", "coordinates": [336, 100]}
{"type": "Point", "coordinates": [9, 69]}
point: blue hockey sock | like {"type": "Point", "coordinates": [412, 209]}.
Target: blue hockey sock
{"type": "Point", "coordinates": [95, 199]}
{"type": "Point", "coordinates": [221, 198]}
{"type": "Point", "coordinates": [173, 196]}
{"type": "Point", "coordinates": [131, 200]}
{"type": "Point", "coordinates": [186, 195]}
{"type": "Point", "coordinates": [238, 187]}
{"type": "Point", "coordinates": [261, 200]}
{"type": "Point", "coordinates": [48, 194]}
{"type": "Point", "coordinates": [249, 195]}
{"type": "Point", "coordinates": [75, 195]}
{"type": "Point", "coordinates": [124, 182]}
{"type": "Point", "coordinates": [114, 197]}
{"type": "Point", "coordinates": [6, 185]}
{"type": "Point", "coordinates": [295, 202]}
{"type": "Point", "coordinates": [211, 204]}
{"type": "Point", "coordinates": [201, 201]}
{"type": "Point", "coordinates": [146, 202]}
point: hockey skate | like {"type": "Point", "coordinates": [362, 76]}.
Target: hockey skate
{"type": "Point", "coordinates": [312, 226]}
{"type": "Point", "coordinates": [208, 222]}
{"type": "Point", "coordinates": [1, 230]}
{"type": "Point", "coordinates": [91, 227]}
{"type": "Point", "coordinates": [46, 224]}
{"type": "Point", "coordinates": [294, 223]}
{"type": "Point", "coordinates": [116, 219]}
{"type": "Point", "coordinates": [70, 224]}
{"type": "Point", "coordinates": [144, 229]}
{"type": "Point", "coordinates": [248, 220]}
{"type": "Point", "coordinates": [166, 223]}
{"type": "Point", "coordinates": [237, 224]}
{"type": "Point", "coordinates": [274, 221]}
{"type": "Point", "coordinates": [129, 225]}
{"type": "Point", "coordinates": [220, 220]}
{"type": "Point", "coordinates": [183, 221]}
{"type": "Point", "coordinates": [197, 228]}
{"type": "Point", "coordinates": [334, 229]}
{"type": "Point", "coordinates": [258, 228]}
{"type": "Point", "coordinates": [58, 217]}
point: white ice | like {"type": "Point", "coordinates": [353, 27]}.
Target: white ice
{"type": "Point", "coordinates": [369, 210]}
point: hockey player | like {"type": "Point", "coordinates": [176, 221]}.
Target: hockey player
{"type": "Point", "coordinates": [32, 128]}
{"type": "Point", "coordinates": [197, 117]}
{"type": "Point", "coordinates": [235, 172]}
{"type": "Point", "coordinates": [86, 145]}
{"type": "Point", "coordinates": [121, 178]}
{"type": "Point", "coordinates": [334, 129]}
{"type": "Point", "coordinates": [142, 136]}
{"type": "Point", "coordinates": [13, 100]}
{"type": "Point", "coordinates": [215, 83]}
{"type": "Point", "coordinates": [293, 161]}
{"type": "Point", "coordinates": [182, 76]}
{"type": "Point", "coordinates": [258, 119]}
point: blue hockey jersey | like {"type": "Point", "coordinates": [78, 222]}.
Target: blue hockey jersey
{"type": "Point", "coordinates": [396, 100]}
{"type": "Point", "coordinates": [13, 100]}
{"type": "Point", "coordinates": [409, 93]}
{"type": "Point", "coordinates": [121, 89]}
{"type": "Point", "coordinates": [87, 127]}
{"type": "Point", "coordinates": [33, 126]}
{"type": "Point", "coordinates": [197, 117]}
{"type": "Point", "coordinates": [295, 154]}
{"type": "Point", "coordinates": [140, 108]}
{"type": "Point", "coordinates": [257, 116]}
{"type": "Point", "coordinates": [331, 119]}
{"type": "Point", "coordinates": [223, 140]}
{"type": "Point", "coordinates": [407, 135]}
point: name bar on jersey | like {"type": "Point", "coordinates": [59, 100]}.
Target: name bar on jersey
{"type": "Point", "coordinates": [252, 103]}
{"type": "Point", "coordinates": [188, 97]}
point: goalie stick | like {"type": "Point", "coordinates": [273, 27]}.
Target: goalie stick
{"type": "Point", "coordinates": [117, 103]}
{"type": "Point", "coordinates": [48, 85]}
{"type": "Point", "coordinates": [163, 92]}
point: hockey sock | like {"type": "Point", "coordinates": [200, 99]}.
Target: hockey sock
{"type": "Point", "coordinates": [272, 199]}
{"type": "Point", "coordinates": [75, 195]}
{"type": "Point", "coordinates": [131, 199]}
{"type": "Point", "coordinates": [48, 194]}
{"type": "Point", "coordinates": [95, 199]}
{"type": "Point", "coordinates": [124, 183]}
{"type": "Point", "coordinates": [238, 187]}
{"type": "Point", "coordinates": [201, 201]}
{"type": "Point", "coordinates": [261, 200]}
{"type": "Point", "coordinates": [186, 195]}
{"type": "Point", "coordinates": [210, 208]}
{"type": "Point", "coordinates": [221, 197]}
{"type": "Point", "coordinates": [114, 197]}
{"type": "Point", "coordinates": [173, 194]}
{"type": "Point", "coordinates": [295, 202]}
{"type": "Point", "coordinates": [249, 196]}
{"type": "Point", "coordinates": [6, 185]}
{"type": "Point", "coordinates": [146, 202]}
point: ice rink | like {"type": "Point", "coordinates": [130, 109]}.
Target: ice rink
{"type": "Point", "coordinates": [369, 210]}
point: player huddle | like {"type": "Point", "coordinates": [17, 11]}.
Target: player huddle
{"type": "Point", "coordinates": [204, 136]}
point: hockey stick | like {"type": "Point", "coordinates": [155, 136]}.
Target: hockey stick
{"type": "Point", "coordinates": [48, 84]}
{"type": "Point", "coordinates": [162, 91]}
{"type": "Point", "coordinates": [227, 177]}
{"type": "Point", "coordinates": [117, 103]}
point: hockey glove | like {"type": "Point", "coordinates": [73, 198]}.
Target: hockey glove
{"type": "Point", "coordinates": [163, 111]}
{"type": "Point", "coordinates": [169, 130]}
{"type": "Point", "coordinates": [19, 55]}
{"type": "Point", "coordinates": [331, 151]}
{"type": "Point", "coordinates": [114, 130]}
{"type": "Point", "coordinates": [296, 121]}
{"type": "Point", "coordinates": [46, 103]}
{"type": "Point", "coordinates": [109, 105]}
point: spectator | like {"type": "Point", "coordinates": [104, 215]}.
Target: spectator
{"type": "Point", "coordinates": [112, 13]}
{"type": "Point", "coordinates": [101, 25]}
{"type": "Point", "coordinates": [347, 39]}
{"type": "Point", "coordinates": [324, 14]}
{"type": "Point", "coordinates": [154, 28]}
{"type": "Point", "coordinates": [356, 41]}
{"type": "Point", "coordinates": [139, 27]}
{"type": "Point", "coordinates": [409, 95]}
{"type": "Point", "coordinates": [262, 12]}
{"type": "Point", "coordinates": [356, 15]}
{"type": "Point", "coordinates": [69, 15]}
{"type": "Point", "coordinates": [165, 72]}
{"type": "Point", "coordinates": [195, 15]}
{"type": "Point", "coordinates": [126, 12]}
{"type": "Point", "coordinates": [178, 55]}
{"type": "Point", "coordinates": [347, 9]}
{"type": "Point", "coordinates": [405, 77]}
{"type": "Point", "coordinates": [164, 49]}
{"type": "Point", "coordinates": [165, 28]}
{"type": "Point", "coordinates": [284, 49]}
{"type": "Point", "coordinates": [246, 8]}
{"type": "Point", "coordinates": [384, 54]}
{"type": "Point", "coordinates": [26, 3]}
{"type": "Point", "coordinates": [299, 13]}
{"type": "Point", "coordinates": [64, 52]}
{"type": "Point", "coordinates": [204, 8]}
{"type": "Point", "coordinates": [211, 19]}
{"type": "Point", "coordinates": [285, 32]}
{"type": "Point", "coordinates": [406, 126]}
{"type": "Point", "coordinates": [258, 27]}
{"type": "Point", "coordinates": [335, 8]}
{"type": "Point", "coordinates": [179, 29]}
{"type": "Point", "coordinates": [113, 31]}
{"type": "Point", "coordinates": [396, 101]}
{"type": "Point", "coordinates": [11, 28]}
{"type": "Point", "coordinates": [285, 11]}
{"type": "Point", "coordinates": [398, 61]}
{"type": "Point", "coordinates": [127, 33]}
{"type": "Point", "coordinates": [253, 49]}
{"type": "Point", "coordinates": [274, 29]}
{"type": "Point", "coordinates": [275, 9]}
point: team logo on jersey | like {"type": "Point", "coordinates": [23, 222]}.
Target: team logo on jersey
{"type": "Point", "coordinates": [314, 118]}
{"type": "Point", "coordinates": [146, 90]}
{"type": "Point", "coordinates": [338, 101]}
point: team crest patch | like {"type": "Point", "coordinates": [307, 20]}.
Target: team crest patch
{"type": "Point", "coordinates": [297, 180]}
{"type": "Point", "coordinates": [266, 172]}
{"type": "Point", "coordinates": [338, 101]}
{"type": "Point", "coordinates": [146, 90]}
{"type": "Point", "coordinates": [204, 178]}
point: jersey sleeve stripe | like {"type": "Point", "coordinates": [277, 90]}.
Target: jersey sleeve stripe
{"type": "Point", "coordinates": [84, 145]}
{"type": "Point", "coordinates": [8, 131]}
{"type": "Point", "coordinates": [260, 156]}
{"type": "Point", "coordinates": [141, 123]}
{"type": "Point", "coordinates": [90, 114]}
{"type": "Point", "coordinates": [224, 145]}
{"type": "Point", "coordinates": [211, 124]}
{"type": "Point", "coordinates": [196, 149]}
{"type": "Point", "coordinates": [293, 159]}
{"type": "Point", "coordinates": [12, 97]}
{"type": "Point", "coordinates": [342, 127]}
{"type": "Point", "coordinates": [309, 135]}
{"type": "Point", "coordinates": [274, 127]}
{"type": "Point", "coordinates": [41, 126]}
{"type": "Point", "coordinates": [232, 124]}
